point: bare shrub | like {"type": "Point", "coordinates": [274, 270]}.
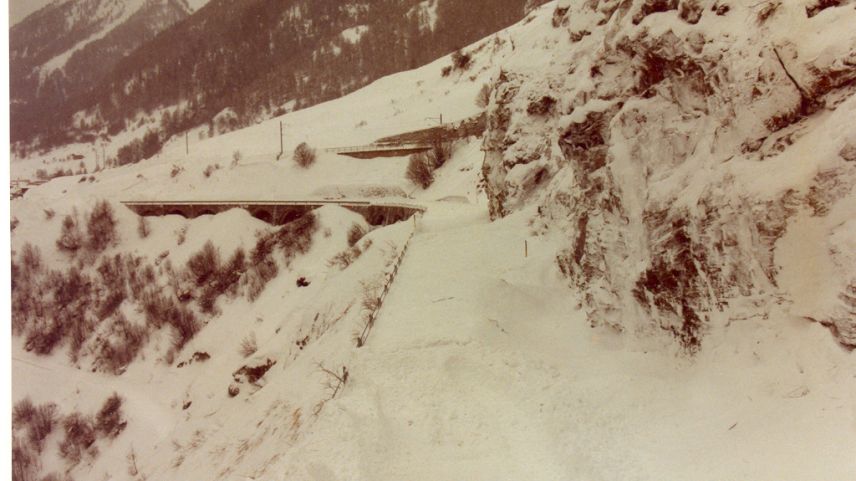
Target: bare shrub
{"type": "Point", "coordinates": [461, 60]}
{"type": "Point", "coordinates": [333, 383]}
{"type": "Point", "coordinates": [79, 436]}
{"type": "Point", "coordinates": [181, 235]}
{"type": "Point", "coordinates": [296, 237]}
{"type": "Point", "coordinates": [126, 342]}
{"type": "Point", "coordinates": [249, 345]}
{"type": "Point", "coordinates": [176, 169]}
{"type": "Point", "coordinates": [143, 227]}
{"type": "Point", "coordinates": [49, 214]}
{"type": "Point", "coordinates": [236, 158]}
{"type": "Point", "coordinates": [24, 460]}
{"type": "Point", "coordinates": [210, 170]}
{"type": "Point", "coordinates": [483, 97]}
{"type": "Point", "coordinates": [70, 238]}
{"type": "Point", "coordinates": [185, 324]}
{"type": "Point", "coordinates": [41, 425]}
{"type": "Point", "coordinates": [109, 420]}
{"type": "Point", "coordinates": [43, 338]}
{"type": "Point", "coordinates": [204, 264]}
{"type": "Point", "coordinates": [355, 233]}
{"type": "Point", "coordinates": [225, 279]}
{"type": "Point", "coordinates": [440, 152]}
{"type": "Point", "coordinates": [420, 170]}
{"type": "Point", "coordinates": [304, 155]}
{"type": "Point", "coordinates": [345, 258]}
{"type": "Point", "coordinates": [770, 7]}
{"type": "Point", "coordinates": [31, 260]}
{"type": "Point", "coordinates": [101, 227]}
{"type": "Point", "coordinates": [22, 413]}
{"type": "Point", "coordinates": [262, 268]}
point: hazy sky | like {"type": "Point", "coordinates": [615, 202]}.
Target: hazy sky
{"type": "Point", "coordinates": [18, 9]}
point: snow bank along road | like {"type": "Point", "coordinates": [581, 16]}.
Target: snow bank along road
{"type": "Point", "coordinates": [481, 366]}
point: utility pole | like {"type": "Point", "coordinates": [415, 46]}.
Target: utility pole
{"type": "Point", "coordinates": [187, 143]}
{"type": "Point", "coordinates": [281, 151]}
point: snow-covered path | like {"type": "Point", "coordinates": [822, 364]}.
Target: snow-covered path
{"type": "Point", "coordinates": [458, 392]}
{"type": "Point", "coordinates": [482, 367]}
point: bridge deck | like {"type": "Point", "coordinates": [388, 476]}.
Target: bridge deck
{"type": "Point", "coordinates": [276, 212]}
{"type": "Point", "coordinates": [379, 150]}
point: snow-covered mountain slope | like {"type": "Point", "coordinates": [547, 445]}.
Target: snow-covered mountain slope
{"type": "Point", "coordinates": [697, 154]}
{"type": "Point", "coordinates": [483, 363]}
{"type": "Point", "coordinates": [60, 52]}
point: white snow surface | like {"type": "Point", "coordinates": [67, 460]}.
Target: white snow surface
{"type": "Point", "coordinates": [354, 34]}
{"type": "Point", "coordinates": [481, 364]}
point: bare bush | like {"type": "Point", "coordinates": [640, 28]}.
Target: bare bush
{"type": "Point", "coordinates": [42, 424]}
{"type": "Point", "coordinates": [355, 233]}
{"type": "Point", "coordinates": [126, 342]}
{"type": "Point", "coordinates": [109, 420]}
{"type": "Point", "coordinates": [420, 170]}
{"type": "Point", "coordinates": [101, 227]}
{"type": "Point", "coordinates": [249, 345]}
{"type": "Point", "coordinates": [181, 235]}
{"type": "Point", "coordinates": [22, 413]}
{"type": "Point", "coordinates": [176, 169]}
{"type": "Point", "coordinates": [31, 260]}
{"type": "Point", "coordinates": [345, 258]}
{"type": "Point", "coordinates": [334, 382]}
{"type": "Point", "coordinates": [210, 170]}
{"type": "Point", "coordinates": [461, 60]}
{"type": "Point", "coordinates": [236, 158]}
{"type": "Point", "coordinates": [24, 460]}
{"type": "Point", "coordinates": [226, 279]}
{"type": "Point", "coordinates": [304, 155]}
{"type": "Point", "coordinates": [79, 437]}
{"type": "Point", "coordinates": [204, 264]}
{"type": "Point", "coordinates": [185, 324]}
{"type": "Point", "coordinates": [70, 238]}
{"type": "Point", "coordinates": [770, 7]}
{"type": "Point", "coordinates": [49, 214]}
{"type": "Point", "coordinates": [483, 97]}
{"type": "Point", "coordinates": [143, 228]}
{"type": "Point", "coordinates": [262, 269]}
{"type": "Point", "coordinates": [296, 237]}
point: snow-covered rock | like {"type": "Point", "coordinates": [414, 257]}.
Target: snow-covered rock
{"type": "Point", "coordinates": [676, 142]}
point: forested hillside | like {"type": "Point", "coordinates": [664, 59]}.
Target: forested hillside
{"type": "Point", "coordinates": [254, 57]}
{"type": "Point", "coordinates": [62, 51]}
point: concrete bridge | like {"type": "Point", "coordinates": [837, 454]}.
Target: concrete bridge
{"type": "Point", "coordinates": [277, 212]}
{"type": "Point", "coordinates": [372, 151]}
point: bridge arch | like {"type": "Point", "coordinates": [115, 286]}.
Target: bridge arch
{"type": "Point", "coordinates": [263, 215]}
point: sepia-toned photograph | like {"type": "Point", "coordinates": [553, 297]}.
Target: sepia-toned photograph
{"type": "Point", "coordinates": [431, 240]}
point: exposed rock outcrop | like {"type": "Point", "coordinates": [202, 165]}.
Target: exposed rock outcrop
{"type": "Point", "coordinates": [683, 142]}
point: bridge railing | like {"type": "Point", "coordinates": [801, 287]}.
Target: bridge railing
{"type": "Point", "coordinates": [374, 148]}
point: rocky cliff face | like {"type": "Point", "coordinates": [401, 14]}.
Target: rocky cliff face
{"type": "Point", "coordinates": [678, 142]}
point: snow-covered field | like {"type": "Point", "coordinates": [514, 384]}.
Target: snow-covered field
{"type": "Point", "coordinates": [481, 365]}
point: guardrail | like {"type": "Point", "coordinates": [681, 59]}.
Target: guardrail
{"type": "Point", "coordinates": [387, 285]}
